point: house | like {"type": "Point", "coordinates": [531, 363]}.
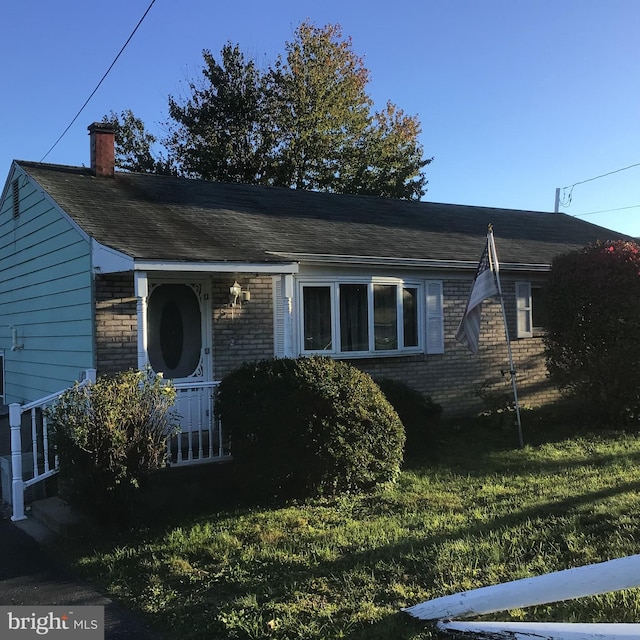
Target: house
{"type": "Point", "coordinates": [108, 270]}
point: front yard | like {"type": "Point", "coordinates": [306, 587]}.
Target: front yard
{"type": "Point", "coordinates": [470, 512]}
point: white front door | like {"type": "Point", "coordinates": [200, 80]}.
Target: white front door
{"type": "Point", "coordinates": [179, 330]}
{"type": "Point", "coordinates": [179, 346]}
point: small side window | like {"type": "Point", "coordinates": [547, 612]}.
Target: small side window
{"type": "Point", "coordinates": [530, 307]}
{"type": "Point", "coordinates": [523, 309]}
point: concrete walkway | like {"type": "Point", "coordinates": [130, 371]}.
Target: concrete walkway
{"type": "Point", "coordinates": [30, 576]}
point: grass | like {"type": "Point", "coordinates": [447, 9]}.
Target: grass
{"type": "Point", "coordinates": [472, 511]}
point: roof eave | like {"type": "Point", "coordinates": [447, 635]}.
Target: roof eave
{"type": "Point", "coordinates": [416, 263]}
{"type": "Point", "coordinates": [216, 266]}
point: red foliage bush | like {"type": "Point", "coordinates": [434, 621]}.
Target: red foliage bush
{"type": "Point", "coordinates": [593, 327]}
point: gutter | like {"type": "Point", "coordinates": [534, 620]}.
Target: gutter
{"type": "Point", "coordinates": [416, 263]}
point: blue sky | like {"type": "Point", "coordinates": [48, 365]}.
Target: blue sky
{"type": "Point", "coordinates": [515, 97]}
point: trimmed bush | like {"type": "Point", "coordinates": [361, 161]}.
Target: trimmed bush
{"type": "Point", "coordinates": [309, 426]}
{"type": "Point", "coordinates": [419, 414]}
{"type": "Point", "coordinates": [110, 436]}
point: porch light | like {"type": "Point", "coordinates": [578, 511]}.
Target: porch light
{"type": "Point", "coordinates": [238, 295]}
{"type": "Point", "coordinates": [234, 293]}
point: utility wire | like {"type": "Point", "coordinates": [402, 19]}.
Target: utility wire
{"type": "Point", "coordinates": [124, 46]}
{"type": "Point", "coordinates": [590, 213]}
{"type": "Point", "coordinates": [603, 175]}
{"type": "Point", "coordinates": [566, 198]}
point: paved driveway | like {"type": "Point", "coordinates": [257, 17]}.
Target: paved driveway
{"type": "Point", "coordinates": [29, 576]}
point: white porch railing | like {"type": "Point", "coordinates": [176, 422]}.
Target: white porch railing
{"type": "Point", "coordinates": [201, 438]}
{"type": "Point", "coordinates": [604, 577]}
{"type": "Point", "coordinates": [44, 462]}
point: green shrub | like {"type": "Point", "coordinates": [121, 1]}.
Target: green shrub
{"type": "Point", "coordinates": [309, 426]}
{"type": "Point", "coordinates": [592, 324]}
{"type": "Point", "coordinates": [419, 413]}
{"type": "Point", "coordinates": [110, 436]}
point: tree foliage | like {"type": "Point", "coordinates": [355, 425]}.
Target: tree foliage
{"type": "Point", "coordinates": [134, 145]}
{"type": "Point", "coordinates": [322, 108]}
{"type": "Point", "coordinates": [305, 122]}
{"type": "Point", "coordinates": [591, 343]}
{"type": "Point", "coordinates": [223, 131]}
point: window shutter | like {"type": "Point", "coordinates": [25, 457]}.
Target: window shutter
{"type": "Point", "coordinates": [523, 309]}
{"type": "Point", "coordinates": [278, 318]}
{"type": "Point", "coordinates": [435, 317]}
{"type": "Point", "coordinates": [283, 346]}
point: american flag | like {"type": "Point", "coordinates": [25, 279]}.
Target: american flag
{"type": "Point", "coordinates": [484, 286]}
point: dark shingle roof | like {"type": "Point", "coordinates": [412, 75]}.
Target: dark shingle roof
{"type": "Point", "coordinates": [151, 217]}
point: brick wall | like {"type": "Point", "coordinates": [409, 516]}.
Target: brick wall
{"type": "Point", "coordinates": [240, 334]}
{"type": "Point", "coordinates": [116, 323]}
{"type": "Point", "coordinates": [454, 377]}
{"type": "Point", "coordinates": [244, 333]}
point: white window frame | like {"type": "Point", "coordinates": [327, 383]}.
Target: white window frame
{"type": "Point", "coordinates": [524, 310]}
{"type": "Point", "coordinates": [427, 318]}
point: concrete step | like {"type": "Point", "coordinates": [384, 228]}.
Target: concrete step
{"type": "Point", "coordinates": [34, 528]}
{"type": "Point", "coordinates": [49, 517]}
{"type": "Point", "coordinates": [56, 514]}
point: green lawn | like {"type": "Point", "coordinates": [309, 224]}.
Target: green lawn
{"type": "Point", "coordinates": [471, 512]}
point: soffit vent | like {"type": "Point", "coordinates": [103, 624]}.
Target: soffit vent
{"type": "Point", "coordinates": [16, 198]}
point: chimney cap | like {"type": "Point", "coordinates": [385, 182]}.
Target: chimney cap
{"type": "Point", "coordinates": [107, 127]}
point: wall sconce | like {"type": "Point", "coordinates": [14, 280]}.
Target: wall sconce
{"type": "Point", "coordinates": [238, 295]}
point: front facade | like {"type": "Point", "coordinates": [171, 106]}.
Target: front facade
{"type": "Point", "coordinates": [395, 325]}
{"type": "Point", "coordinates": [189, 278]}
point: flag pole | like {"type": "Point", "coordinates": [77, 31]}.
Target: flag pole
{"type": "Point", "coordinates": [495, 267]}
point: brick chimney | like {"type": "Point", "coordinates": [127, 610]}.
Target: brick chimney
{"type": "Point", "coordinates": [102, 140]}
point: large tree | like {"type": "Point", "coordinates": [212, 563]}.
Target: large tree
{"type": "Point", "coordinates": [322, 108]}
{"type": "Point", "coordinates": [306, 122]}
{"type": "Point", "coordinates": [222, 131]}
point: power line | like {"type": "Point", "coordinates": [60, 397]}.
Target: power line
{"type": "Point", "coordinates": [566, 198]}
{"type": "Point", "coordinates": [124, 46]}
{"type": "Point", "coordinates": [604, 175]}
{"type": "Point", "coordinates": [590, 213]}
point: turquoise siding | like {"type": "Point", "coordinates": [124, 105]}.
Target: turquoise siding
{"type": "Point", "coordinates": [45, 293]}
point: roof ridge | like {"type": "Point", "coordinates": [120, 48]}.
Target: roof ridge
{"type": "Point", "coordinates": [53, 167]}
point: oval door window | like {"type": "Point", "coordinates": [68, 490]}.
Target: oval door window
{"type": "Point", "coordinates": [175, 335]}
